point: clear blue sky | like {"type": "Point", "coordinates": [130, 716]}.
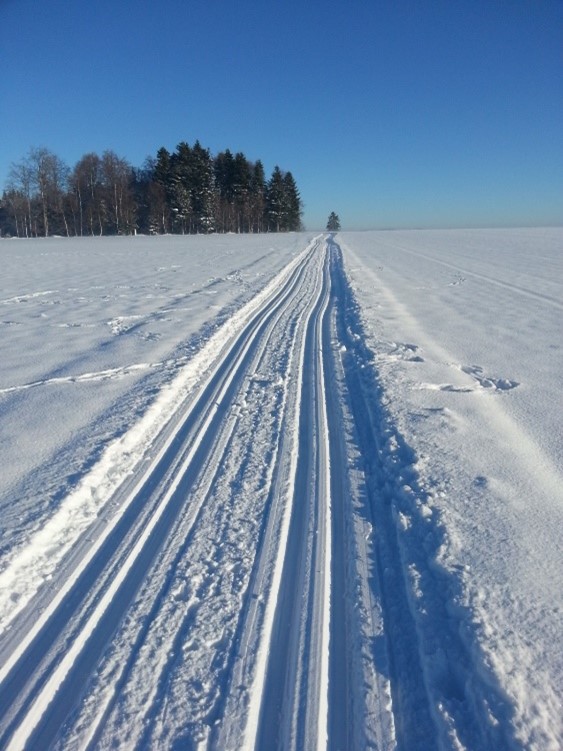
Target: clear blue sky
{"type": "Point", "coordinates": [393, 113]}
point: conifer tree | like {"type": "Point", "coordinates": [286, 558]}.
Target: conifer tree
{"type": "Point", "coordinates": [333, 224]}
{"type": "Point", "coordinates": [224, 177]}
{"type": "Point", "coordinates": [241, 187]}
{"type": "Point", "coordinates": [275, 194]}
{"type": "Point", "coordinates": [203, 193]}
{"type": "Point", "coordinates": [292, 218]}
{"type": "Point", "coordinates": [257, 197]}
{"type": "Point", "coordinates": [182, 181]}
{"type": "Point", "coordinates": [283, 204]}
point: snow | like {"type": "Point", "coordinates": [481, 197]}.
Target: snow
{"type": "Point", "coordinates": [36, 563]}
{"type": "Point", "coordinates": [466, 331]}
{"type": "Point", "coordinates": [174, 409]}
{"type": "Point", "coordinates": [101, 316]}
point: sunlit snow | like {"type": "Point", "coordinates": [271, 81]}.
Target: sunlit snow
{"type": "Point", "coordinates": [454, 447]}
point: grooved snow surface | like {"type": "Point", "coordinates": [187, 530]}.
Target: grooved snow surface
{"type": "Point", "coordinates": [282, 491]}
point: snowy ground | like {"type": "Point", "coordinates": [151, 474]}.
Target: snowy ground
{"type": "Point", "coordinates": [282, 491]}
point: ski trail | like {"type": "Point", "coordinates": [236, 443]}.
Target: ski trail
{"type": "Point", "coordinates": [263, 577]}
{"type": "Point", "coordinates": [305, 685]}
{"type": "Point", "coordinates": [325, 490]}
{"type": "Point", "coordinates": [258, 689]}
{"type": "Point", "coordinates": [217, 460]}
{"type": "Point", "coordinates": [232, 362]}
{"type": "Point", "coordinates": [26, 569]}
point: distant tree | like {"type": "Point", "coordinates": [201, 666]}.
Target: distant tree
{"type": "Point", "coordinates": [7, 218]}
{"type": "Point", "coordinates": [241, 186]}
{"type": "Point", "coordinates": [21, 199]}
{"type": "Point", "coordinates": [181, 184]}
{"type": "Point", "coordinates": [151, 206]}
{"type": "Point", "coordinates": [50, 175]}
{"type": "Point", "coordinates": [333, 224]}
{"type": "Point", "coordinates": [39, 183]}
{"type": "Point", "coordinates": [162, 168]}
{"type": "Point", "coordinates": [224, 171]}
{"type": "Point", "coordinates": [15, 214]}
{"type": "Point", "coordinates": [161, 191]}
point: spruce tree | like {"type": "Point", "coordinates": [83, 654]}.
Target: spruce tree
{"type": "Point", "coordinates": [182, 182]}
{"type": "Point", "coordinates": [275, 195]}
{"type": "Point", "coordinates": [292, 201]}
{"type": "Point", "coordinates": [241, 186]}
{"type": "Point", "coordinates": [203, 190]}
{"type": "Point", "coordinates": [333, 224]}
{"type": "Point", "coordinates": [257, 197]}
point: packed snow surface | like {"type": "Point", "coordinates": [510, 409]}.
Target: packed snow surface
{"type": "Point", "coordinates": [282, 491]}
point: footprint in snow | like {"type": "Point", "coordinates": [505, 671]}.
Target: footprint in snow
{"type": "Point", "coordinates": [488, 382]}
{"type": "Point", "coordinates": [404, 351]}
{"type": "Point", "coordinates": [457, 281]}
{"type": "Point", "coordinates": [482, 381]}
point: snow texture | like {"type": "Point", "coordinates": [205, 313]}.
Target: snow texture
{"type": "Point", "coordinates": [282, 491]}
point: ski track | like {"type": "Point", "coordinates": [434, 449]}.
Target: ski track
{"type": "Point", "coordinates": [263, 576]}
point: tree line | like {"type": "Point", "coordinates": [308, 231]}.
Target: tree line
{"type": "Point", "coordinates": [186, 191]}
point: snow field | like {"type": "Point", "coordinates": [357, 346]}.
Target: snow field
{"type": "Point", "coordinates": [465, 331]}
{"type": "Point", "coordinates": [24, 573]}
{"type": "Point", "coordinates": [309, 502]}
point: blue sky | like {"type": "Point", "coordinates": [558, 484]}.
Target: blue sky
{"type": "Point", "coordinates": [395, 113]}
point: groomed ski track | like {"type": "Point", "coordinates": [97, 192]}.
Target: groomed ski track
{"type": "Point", "coordinates": [248, 586]}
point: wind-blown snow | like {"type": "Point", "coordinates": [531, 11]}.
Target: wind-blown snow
{"type": "Point", "coordinates": [466, 331]}
{"type": "Point", "coordinates": [166, 407]}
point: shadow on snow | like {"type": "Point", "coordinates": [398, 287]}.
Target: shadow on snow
{"type": "Point", "coordinates": [441, 687]}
